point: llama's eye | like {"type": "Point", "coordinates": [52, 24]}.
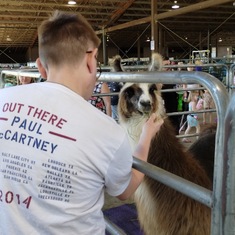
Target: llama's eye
{"type": "Point", "coordinates": [129, 92]}
{"type": "Point", "coordinates": [152, 88]}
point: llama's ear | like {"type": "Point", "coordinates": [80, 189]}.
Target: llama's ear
{"type": "Point", "coordinates": [156, 62]}
{"type": "Point", "coordinates": [128, 93]}
{"type": "Point", "coordinates": [159, 86]}
{"type": "Point", "coordinates": [123, 105]}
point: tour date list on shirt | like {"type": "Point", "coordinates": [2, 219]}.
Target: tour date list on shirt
{"type": "Point", "coordinates": [27, 122]}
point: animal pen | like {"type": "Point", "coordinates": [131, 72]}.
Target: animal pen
{"type": "Point", "coordinates": [221, 199]}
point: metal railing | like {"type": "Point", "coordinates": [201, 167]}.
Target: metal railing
{"type": "Point", "coordinates": [214, 199]}
{"type": "Point", "coordinates": [221, 199]}
{"type": "Point", "coordinates": [228, 186]}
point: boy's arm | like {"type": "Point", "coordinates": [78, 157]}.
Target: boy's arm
{"type": "Point", "coordinates": [141, 152]}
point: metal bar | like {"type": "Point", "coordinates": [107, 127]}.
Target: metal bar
{"type": "Point", "coordinates": [228, 189]}
{"type": "Point", "coordinates": [112, 228]}
{"type": "Point", "coordinates": [186, 187]}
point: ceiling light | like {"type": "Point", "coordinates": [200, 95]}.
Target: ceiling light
{"type": "Point", "coordinates": [72, 2]}
{"type": "Point", "coordinates": [220, 40]}
{"type": "Point", "coordinates": [175, 6]}
{"type": "Point", "coordinates": [8, 38]}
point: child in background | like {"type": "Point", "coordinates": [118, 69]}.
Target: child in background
{"type": "Point", "coordinates": [192, 119]}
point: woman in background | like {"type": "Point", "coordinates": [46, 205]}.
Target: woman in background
{"type": "Point", "coordinates": [103, 103]}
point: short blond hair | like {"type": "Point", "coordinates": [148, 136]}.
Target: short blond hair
{"type": "Point", "coordinates": [64, 38]}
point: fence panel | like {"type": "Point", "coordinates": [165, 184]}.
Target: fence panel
{"type": "Point", "coordinates": [221, 199]}
{"type": "Point", "coordinates": [219, 93]}
{"type": "Point", "coordinates": [228, 189]}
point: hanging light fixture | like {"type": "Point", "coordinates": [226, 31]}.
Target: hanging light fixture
{"type": "Point", "coordinates": [8, 38]}
{"type": "Point", "coordinates": [72, 2]}
{"type": "Point", "coordinates": [175, 6]}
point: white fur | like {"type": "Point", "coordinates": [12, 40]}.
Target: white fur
{"type": "Point", "coordinates": [134, 125]}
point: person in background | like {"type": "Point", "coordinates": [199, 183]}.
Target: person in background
{"type": "Point", "coordinates": [208, 103]}
{"type": "Point", "coordinates": [180, 93]}
{"type": "Point", "coordinates": [115, 63]}
{"type": "Point", "coordinates": [57, 157]}
{"type": "Point", "coordinates": [114, 87]}
{"type": "Point", "coordinates": [185, 100]}
{"type": "Point", "coordinates": [198, 64]}
{"type": "Point", "coordinates": [22, 80]}
{"type": "Point", "coordinates": [180, 64]}
{"type": "Point", "coordinates": [192, 119]}
{"type": "Point", "coordinates": [103, 103]}
{"type": "Point", "coordinates": [190, 68]}
{"type": "Point", "coordinates": [8, 84]}
{"type": "Point", "coordinates": [171, 100]}
{"type": "Point", "coordinates": [166, 62]}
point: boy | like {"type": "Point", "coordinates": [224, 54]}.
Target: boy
{"type": "Point", "coordinates": [58, 154]}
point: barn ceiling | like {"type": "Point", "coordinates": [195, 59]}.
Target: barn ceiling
{"type": "Point", "coordinates": [123, 21]}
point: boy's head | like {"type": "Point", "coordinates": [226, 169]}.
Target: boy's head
{"type": "Point", "coordinates": [65, 38]}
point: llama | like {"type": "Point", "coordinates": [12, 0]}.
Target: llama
{"type": "Point", "coordinates": [162, 210]}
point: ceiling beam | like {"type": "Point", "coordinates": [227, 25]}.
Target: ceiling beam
{"type": "Point", "coordinates": [52, 5]}
{"type": "Point", "coordinates": [35, 38]}
{"type": "Point", "coordinates": [180, 11]}
{"type": "Point", "coordinates": [5, 10]}
{"type": "Point", "coordinates": [118, 13]}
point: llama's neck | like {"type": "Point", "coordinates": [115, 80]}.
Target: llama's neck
{"type": "Point", "coordinates": [133, 128]}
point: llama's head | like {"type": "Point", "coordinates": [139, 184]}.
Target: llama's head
{"type": "Point", "coordinates": [140, 100]}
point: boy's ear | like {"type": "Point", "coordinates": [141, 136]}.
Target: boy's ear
{"type": "Point", "coordinates": [91, 59]}
{"type": "Point", "coordinates": [41, 69]}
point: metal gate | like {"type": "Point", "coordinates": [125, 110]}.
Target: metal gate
{"type": "Point", "coordinates": [222, 217]}
{"type": "Point", "coordinates": [222, 199]}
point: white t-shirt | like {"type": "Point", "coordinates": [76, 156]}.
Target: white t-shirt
{"type": "Point", "coordinates": [58, 155]}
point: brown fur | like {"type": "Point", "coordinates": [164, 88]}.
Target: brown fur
{"type": "Point", "coordinates": [172, 213]}
{"type": "Point", "coordinates": [204, 149]}
{"type": "Point", "coordinates": [162, 210]}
